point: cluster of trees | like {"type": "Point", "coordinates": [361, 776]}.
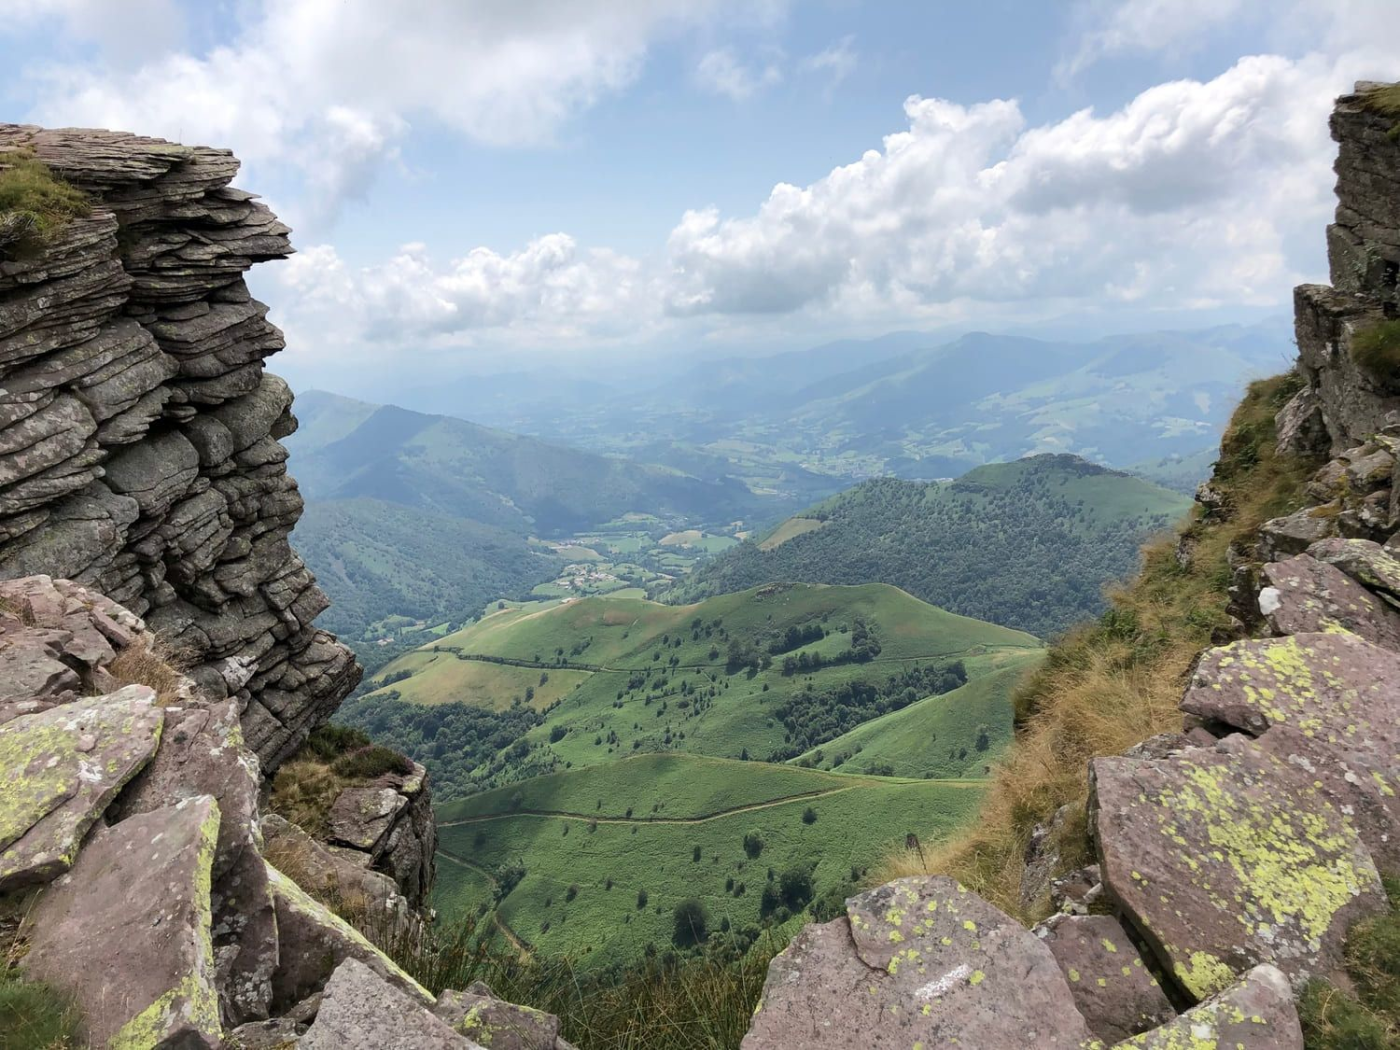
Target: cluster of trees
{"type": "Point", "coordinates": [1017, 544]}
{"type": "Point", "coordinates": [814, 716]}
{"type": "Point", "coordinates": [864, 647]}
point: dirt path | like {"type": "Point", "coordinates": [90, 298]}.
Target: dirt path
{"type": "Point", "coordinates": [501, 925]}
{"type": "Point", "coordinates": [750, 807]}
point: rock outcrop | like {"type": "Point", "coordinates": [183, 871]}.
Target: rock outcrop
{"type": "Point", "coordinates": [139, 433]}
{"type": "Point", "coordinates": [1234, 855]}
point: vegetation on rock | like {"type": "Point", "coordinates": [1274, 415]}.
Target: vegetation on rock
{"type": "Point", "coordinates": [1376, 348]}
{"type": "Point", "coordinates": [1369, 1019]}
{"type": "Point", "coordinates": [34, 204]}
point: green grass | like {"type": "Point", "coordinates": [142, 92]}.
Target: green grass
{"type": "Point", "coordinates": [786, 530]}
{"type": "Point", "coordinates": [1376, 348]}
{"type": "Point", "coordinates": [1370, 1019]}
{"type": "Point", "coordinates": [937, 737]}
{"type": "Point", "coordinates": [34, 1016]}
{"type": "Point", "coordinates": [34, 204]}
{"type": "Point", "coordinates": [856, 819]}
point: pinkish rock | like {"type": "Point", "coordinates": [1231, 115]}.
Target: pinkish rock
{"type": "Point", "coordinates": [1256, 1013]}
{"type": "Point", "coordinates": [1303, 595]}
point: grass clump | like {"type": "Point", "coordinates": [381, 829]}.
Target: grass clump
{"type": "Point", "coordinates": [151, 662]}
{"type": "Point", "coordinates": [1111, 684]}
{"type": "Point", "coordinates": [1376, 348]}
{"type": "Point", "coordinates": [332, 759]}
{"type": "Point", "coordinates": [371, 761]}
{"type": "Point", "coordinates": [34, 205]}
{"type": "Point", "coordinates": [1370, 1019]}
{"type": "Point", "coordinates": [35, 1016]}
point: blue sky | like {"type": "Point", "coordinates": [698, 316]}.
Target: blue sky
{"type": "Point", "coordinates": [467, 177]}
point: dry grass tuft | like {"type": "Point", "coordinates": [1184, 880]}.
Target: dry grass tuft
{"type": "Point", "coordinates": [34, 204]}
{"type": "Point", "coordinates": [303, 791]}
{"type": "Point", "coordinates": [153, 663]}
{"type": "Point", "coordinates": [1109, 685]}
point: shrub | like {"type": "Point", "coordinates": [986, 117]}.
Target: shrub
{"type": "Point", "coordinates": [691, 924]}
{"type": "Point", "coordinates": [809, 815]}
{"type": "Point", "coordinates": [641, 899]}
{"type": "Point", "coordinates": [330, 741]}
{"type": "Point", "coordinates": [570, 894]}
{"type": "Point", "coordinates": [1376, 348]}
{"type": "Point", "coordinates": [34, 205]}
{"type": "Point", "coordinates": [372, 761]}
{"type": "Point", "coordinates": [753, 845]}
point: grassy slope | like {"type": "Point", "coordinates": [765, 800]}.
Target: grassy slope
{"type": "Point", "coordinates": [1028, 544]}
{"type": "Point", "coordinates": [856, 819]}
{"type": "Point", "coordinates": [623, 634]}
{"type": "Point", "coordinates": [936, 737]}
{"type": "Point", "coordinates": [1112, 684]}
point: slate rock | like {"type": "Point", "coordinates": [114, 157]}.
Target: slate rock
{"type": "Point", "coordinates": [497, 1024]}
{"type": "Point", "coordinates": [1256, 1013]}
{"type": "Point", "coordinates": [202, 753]}
{"type": "Point", "coordinates": [1112, 988]}
{"type": "Point", "coordinates": [313, 941]}
{"type": "Point", "coordinates": [127, 931]}
{"type": "Point", "coordinates": [61, 769]}
{"type": "Point", "coordinates": [1304, 595]}
{"type": "Point", "coordinates": [1226, 858]}
{"type": "Point", "coordinates": [361, 1011]}
{"type": "Point", "coordinates": [920, 960]}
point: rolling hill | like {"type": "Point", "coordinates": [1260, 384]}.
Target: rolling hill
{"type": "Point", "coordinates": [1027, 544]}
{"type": "Point", "coordinates": [592, 864]}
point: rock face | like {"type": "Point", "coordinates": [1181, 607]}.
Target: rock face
{"type": "Point", "coordinates": [916, 962]}
{"type": "Point", "coordinates": [139, 433]}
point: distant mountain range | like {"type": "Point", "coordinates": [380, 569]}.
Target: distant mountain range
{"type": "Point", "coordinates": [1027, 544]}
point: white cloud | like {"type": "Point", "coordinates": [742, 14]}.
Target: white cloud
{"type": "Point", "coordinates": [836, 62]}
{"type": "Point", "coordinates": [722, 72]}
{"type": "Point", "coordinates": [126, 32]}
{"type": "Point", "coordinates": [1116, 27]}
{"type": "Point", "coordinates": [330, 86]}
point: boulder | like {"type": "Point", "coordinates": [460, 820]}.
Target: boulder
{"type": "Point", "coordinates": [1365, 561]}
{"type": "Point", "coordinates": [497, 1024]}
{"type": "Point", "coordinates": [1226, 858]}
{"type": "Point", "coordinates": [62, 767]}
{"type": "Point", "coordinates": [329, 874]}
{"type": "Point", "coordinates": [140, 965]}
{"type": "Point", "coordinates": [202, 753]}
{"type": "Point", "coordinates": [314, 941]}
{"type": "Point", "coordinates": [1303, 595]}
{"type": "Point", "coordinates": [1113, 989]}
{"type": "Point", "coordinates": [361, 1011]}
{"type": "Point", "coordinates": [920, 960]}
{"type": "Point", "coordinates": [361, 817]}
{"type": "Point", "coordinates": [1255, 1013]}
{"type": "Point", "coordinates": [277, 1033]}
{"type": "Point", "coordinates": [1294, 533]}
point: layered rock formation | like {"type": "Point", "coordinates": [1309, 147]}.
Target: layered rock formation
{"type": "Point", "coordinates": [139, 432]}
{"type": "Point", "coordinates": [1234, 855]}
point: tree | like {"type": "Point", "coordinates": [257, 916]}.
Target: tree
{"type": "Point", "coordinates": [691, 924]}
{"type": "Point", "coordinates": [641, 899]}
{"type": "Point", "coordinates": [753, 845]}
{"type": "Point", "coordinates": [809, 815]}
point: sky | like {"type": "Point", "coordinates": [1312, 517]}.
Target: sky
{"type": "Point", "coordinates": [478, 180]}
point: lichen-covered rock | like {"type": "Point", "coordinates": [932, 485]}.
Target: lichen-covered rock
{"type": "Point", "coordinates": [138, 430]}
{"type": "Point", "coordinates": [389, 821]}
{"type": "Point", "coordinates": [62, 767]}
{"type": "Point", "coordinates": [313, 941]}
{"type": "Point", "coordinates": [1303, 595]}
{"type": "Point", "coordinates": [1256, 1013]}
{"type": "Point", "coordinates": [341, 876]}
{"type": "Point", "coordinates": [1364, 561]}
{"type": "Point", "coordinates": [920, 960]}
{"type": "Point", "coordinates": [496, 1024]}
{"type": "Point", "coordinates": [361, 1011]}
{"type": "Point", "coordinates": [202, 753]}
{"type": "Point", "coordinates": [127, 931]}
{"type": "Point", "coordinates": [1115, 992]}
{"type": "Point", "coordinates": [1226, 858]}
{"type": "Point", "coordinates": [1293, 534]}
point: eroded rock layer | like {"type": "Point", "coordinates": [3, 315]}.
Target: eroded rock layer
{"type": "Point", "coordinates": [139, 432]}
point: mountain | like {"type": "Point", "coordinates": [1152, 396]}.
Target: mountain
{"type": "Point", "coordinates": [349, 449]}
{"type": "Point", "coordinates": [1027, 544]}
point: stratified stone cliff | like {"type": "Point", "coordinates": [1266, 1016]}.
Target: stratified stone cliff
{"type": "Point", "coordinates": [139, 432]}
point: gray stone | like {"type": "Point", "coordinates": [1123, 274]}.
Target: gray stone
{"type": "Point", "coordinates": [360, 1011]}
{"type": "Point", "coordinates": [1365, 561]}
{"type": "Point", "coordinates": [920, 960]}
{"type": "Point", "coordinates": [497, 1024]}
{"type": "Point", "coordinates": [1303, 595]}
{"type": "Point", "coordinates": [139, 964]}
{"type": "Point", "coordinates": [1293, 534]}
{"type": "Point", "coordinates": [1227, 858]}
{"type": "Point", "coordinates": [1256, 1013]}
{"type": "Point", "coordinates": [1118, 996]}
{"type": "Point", "coordinates": [61, 768]}
{"type": "Point", "coordinates": [278, 1033]}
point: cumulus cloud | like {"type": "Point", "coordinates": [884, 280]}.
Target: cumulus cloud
{"type": "Point", "coordinates": [330, 86]}
{"type": "Point", "coordinates": [722, 72]}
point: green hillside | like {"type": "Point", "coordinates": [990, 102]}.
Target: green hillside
{"type": "Point", "coordinates": [765, 674]}
{"type": "Point", "coordinates": [595, 861]}
{"type": "Point", "coordinates": [1028, 544]}
{"type": "Point", "coordinates": [347, 449]}
{"type": "Point", "coordinates": [957, 734]}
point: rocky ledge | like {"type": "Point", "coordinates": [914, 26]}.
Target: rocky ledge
{"type": "Point", "coordinates": [139, 875]}
{"type": "Point", "coordinates": [1233, 856]}
{"type": "Point", "coordinates": [139, 449]}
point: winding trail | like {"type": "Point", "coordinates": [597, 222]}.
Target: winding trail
{"type": "Point", "coordinates": [751, 807]}
{"type": "Point", "coordinates": [516, 941]}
